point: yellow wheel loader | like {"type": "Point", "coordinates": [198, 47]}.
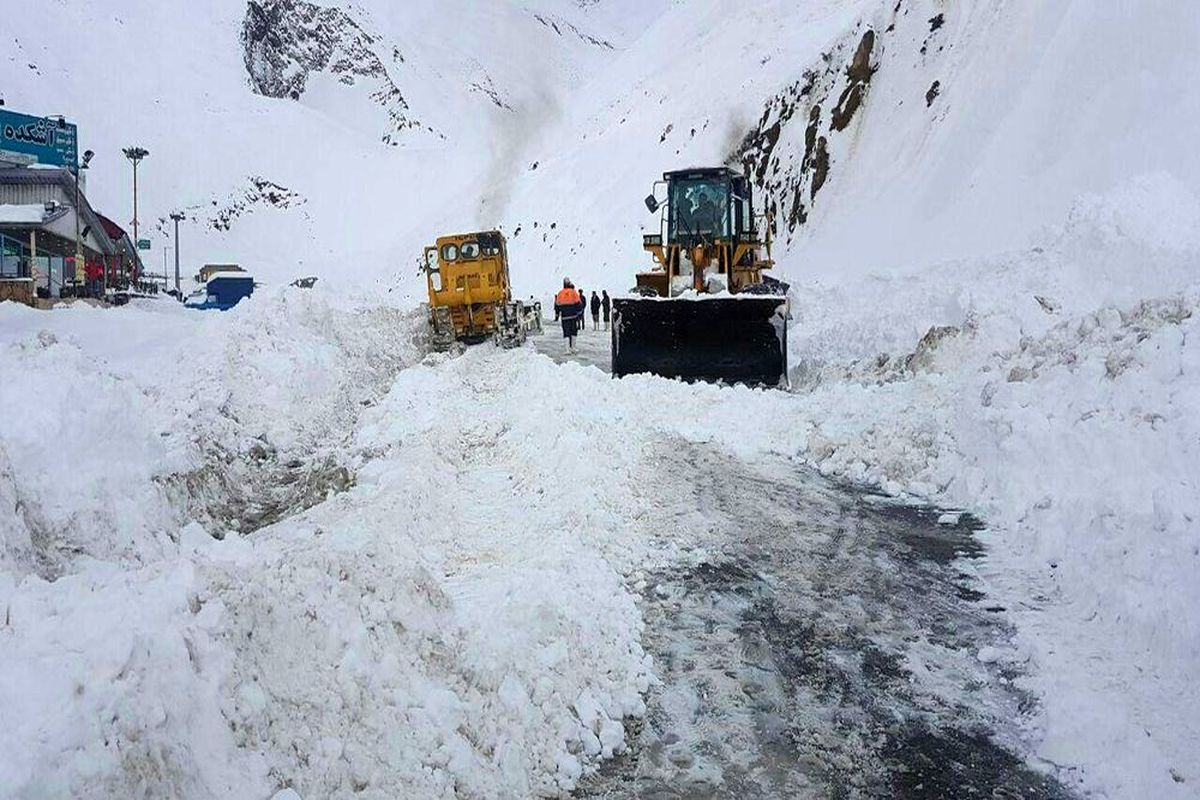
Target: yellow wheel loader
{"type": "Point", "coordinates": [705, 311]}
{"type": "Point", "coordinates": [470, 299]}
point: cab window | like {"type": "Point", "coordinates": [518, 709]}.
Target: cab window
{"type": "Point", "coordinates": [449, 252]}
{"type": "Point", "coordinates": [470, 250]}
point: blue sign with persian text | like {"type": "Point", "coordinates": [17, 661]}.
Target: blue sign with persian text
{"type": "Point", "coordinates": [37, 140]}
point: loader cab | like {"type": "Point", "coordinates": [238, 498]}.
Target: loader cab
{"type": "Point", "coordinates": [707, 205]}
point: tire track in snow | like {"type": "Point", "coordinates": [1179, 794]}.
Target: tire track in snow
{"type": "Point", "coordinates": [822, 644]}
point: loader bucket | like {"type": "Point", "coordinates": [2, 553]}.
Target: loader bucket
{"type": "Point", "coordinates": [740, 339]}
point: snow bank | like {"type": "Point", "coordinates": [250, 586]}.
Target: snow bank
{"type": "Point", "coordinates": [1054, 392]}
{"type": "Point", "coordinates": [108, 413]}
{"type": "Point", "coordinates": [454, 623]}
{"type": "Point", "coordinates": [125, 422]}
{"type": "Point", "coordinates": [111, 682]}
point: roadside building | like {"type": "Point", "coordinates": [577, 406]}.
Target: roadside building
{"type": "Point", "coordinates": [208, 270]}
{"type": "Point", "coordinates": [46, 220]}
{"type": "Point", "coordinates": [125, 266]}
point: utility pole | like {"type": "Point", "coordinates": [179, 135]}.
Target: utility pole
{"type": "Point", "coordinates": [87, 157]}
{"type": "Point", "coordinates": [177, 216]}
{"type": "Point", "coordinates": [135, 154]}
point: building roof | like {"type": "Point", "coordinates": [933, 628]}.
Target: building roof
{"type": "Point", "coordinates": [89, 217]}
{"type": "Point", "coordinates": [41, 175]}
{"type": "Point", "coordinates": [24, 214]}
{"type": "Point", "coordinates": [114, 231]}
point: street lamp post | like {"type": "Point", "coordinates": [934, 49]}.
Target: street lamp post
{"type": "Point", "coordinates": [177, 216]}
{"type": "Point", "coordinates": [135, 154]}
{"type": "Point", "coordinates": [87, 157]}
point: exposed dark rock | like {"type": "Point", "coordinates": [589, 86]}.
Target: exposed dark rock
{"type": "Point", "coordinates": [260, 192]}
{"type": "Point", "coordinates": [810, 136]}
{"type": "Point", "coordinates": [859, 73]}
{"type": "Point", "coordinates": [933, 92]}
{"type": "Point", "coordinates": [936, 23]}
{"type": "Point", "coordinates": [820, 169]}
{"type": "Point", "coordinates": [485, 87]}
{"type": "Point", "coordinates": [562, 27]}
{"type": "Point", "coordinates": [847, 106]}
{"type": "Point", "coordinates": [285, 41]}
{"type": "Point", "coordinates": [860, 70]}
{"type": "Point", "coordinates": [788, 178]}
{"type": "Point", "coordinates": [799, 213]}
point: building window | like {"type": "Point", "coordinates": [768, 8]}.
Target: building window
{"type": "Point", "coordinates": [14, 258]}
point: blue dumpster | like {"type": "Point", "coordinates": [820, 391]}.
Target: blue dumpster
{"type": "Point", "coordinates": [222, 292]}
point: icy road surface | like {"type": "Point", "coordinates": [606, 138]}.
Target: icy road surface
{"type": "Point", "coordinates": [591, 346]}
{"type": "Point", "coordinates": [824, 646]}
{"type": "Point", "coordinates": [818, 642]}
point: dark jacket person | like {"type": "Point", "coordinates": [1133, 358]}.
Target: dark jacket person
{"type": "Point", "coordinates": [570, 307]}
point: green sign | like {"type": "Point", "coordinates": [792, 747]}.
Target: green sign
{"type": "Point", "coordinates": [143, 244]}
{"type": "Point", "coordinates": [38, 140]}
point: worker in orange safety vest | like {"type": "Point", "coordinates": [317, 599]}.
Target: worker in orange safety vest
{"type": "Point", "coordinates": [570, 307]}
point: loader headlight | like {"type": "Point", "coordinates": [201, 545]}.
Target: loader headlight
{"type": "Point", "coordinates": [652, 239]}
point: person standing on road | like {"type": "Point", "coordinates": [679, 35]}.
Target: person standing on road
{"type": "Point", "coordinates": [583, 316]}
{"type": "Point", "coordinates": [569, 306]}
{"type": "Point", "coordinates": [606, 307]}
{"type": "Point", "coordinates": [595, 311]}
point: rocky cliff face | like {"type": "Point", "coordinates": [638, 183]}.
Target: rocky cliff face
{"type": "Point", "coordinates": [805, 138]}
{"type": "Point", "coordinates": [286, 41]}
{"type": "Point", "coordinates": [788, 152]}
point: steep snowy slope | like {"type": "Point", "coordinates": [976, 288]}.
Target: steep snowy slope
{"type": "Point", "coordinates": [964, 128]}
{"type": "Point", "coordinates": [304, 138]}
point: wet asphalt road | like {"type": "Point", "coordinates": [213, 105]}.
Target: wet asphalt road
{"type": "Point", "coordinates": [824, 645]}
{"type": "Point", "coordinates": [591, 346]}
{"type": "Point", "coordinates": [815, 640]}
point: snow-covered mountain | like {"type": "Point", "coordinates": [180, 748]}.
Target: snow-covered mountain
{"type": "Point", "coordinates": [886, 135]}
{"type": "Point", "coordinates": [987, 210]}
{"type": "Point", "coordinates": [374, 124]}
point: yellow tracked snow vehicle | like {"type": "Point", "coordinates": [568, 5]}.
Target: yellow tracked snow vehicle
{"type": "Point", "coordinates": [470, 299]}
{"type": "Point", "coordinates": [705, 311]}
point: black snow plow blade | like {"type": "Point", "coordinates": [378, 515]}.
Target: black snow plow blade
{"type": "Point", "coordinates": [739, 339]}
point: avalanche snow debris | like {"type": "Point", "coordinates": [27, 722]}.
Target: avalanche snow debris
{"type": "Point", "coordinates": [1073, 433]}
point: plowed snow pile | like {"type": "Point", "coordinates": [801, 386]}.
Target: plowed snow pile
{"type": "Point", "coordinates": [402, 638]}
{"type": "Point", "coordinates": [1055, 392]}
